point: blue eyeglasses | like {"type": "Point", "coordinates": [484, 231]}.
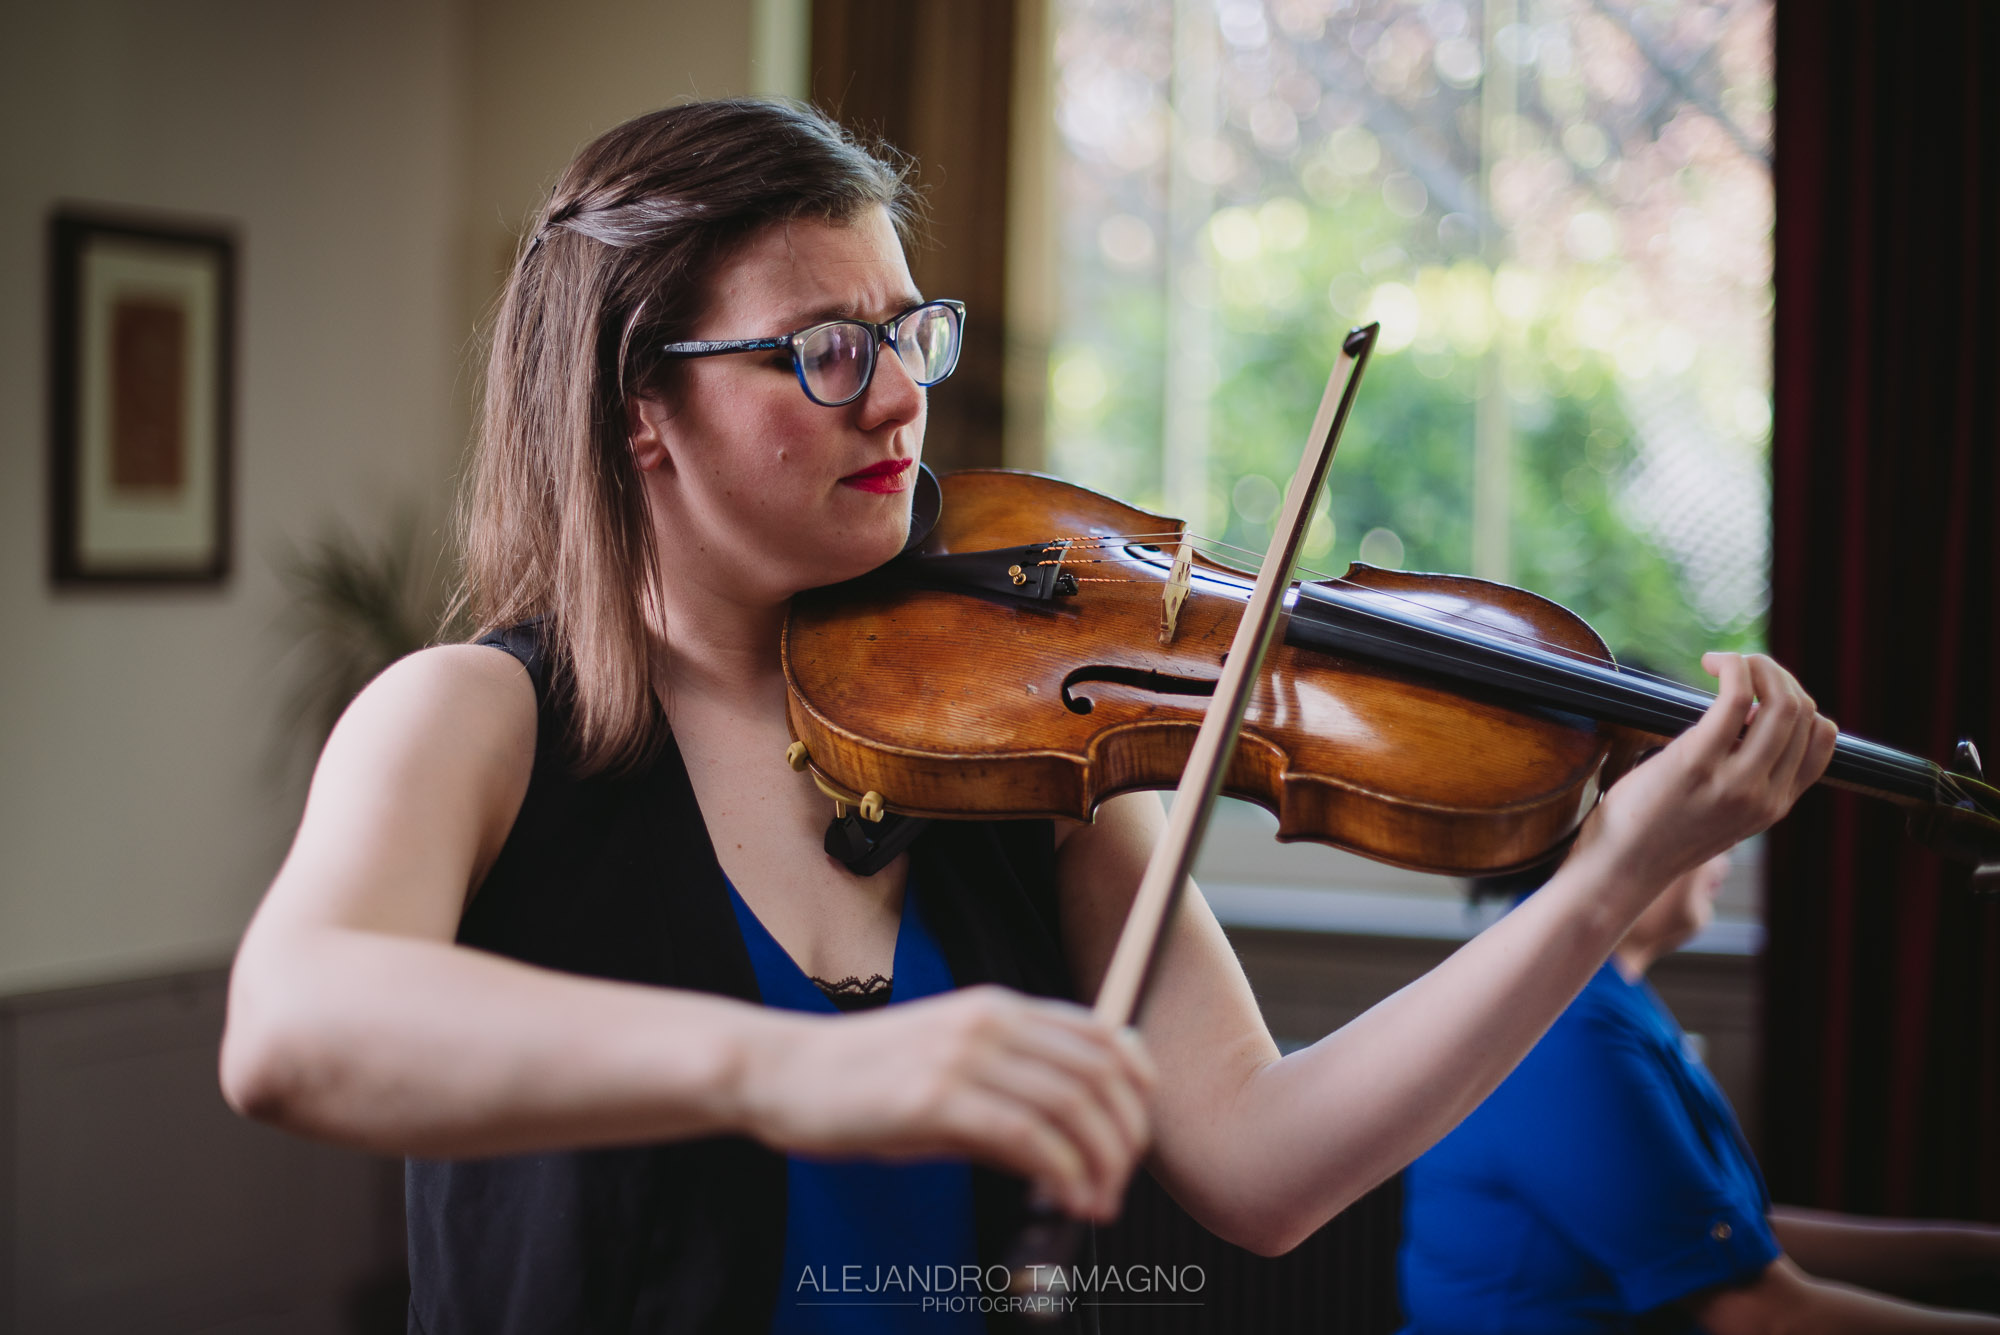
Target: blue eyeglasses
{"type": "Point", "coordinates": [836, 360]}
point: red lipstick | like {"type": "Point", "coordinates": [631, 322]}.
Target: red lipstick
{"type": "Point", "coordinates": [890, 475]}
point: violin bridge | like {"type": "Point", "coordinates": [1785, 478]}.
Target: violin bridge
{"type": "Point", "coordinates": [1176, 591]}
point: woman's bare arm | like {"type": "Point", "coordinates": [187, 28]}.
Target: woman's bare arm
{"type": "Point", "coordinates": [353, 1017]}
{"type": "Point", "coordinates": [1263, 1150]}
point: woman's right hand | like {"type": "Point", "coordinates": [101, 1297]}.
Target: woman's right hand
{"type": "Point", "coordinates": [1040, 1087]}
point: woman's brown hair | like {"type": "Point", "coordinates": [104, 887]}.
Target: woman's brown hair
{"type": "Point", "coordinates": [554, 523]}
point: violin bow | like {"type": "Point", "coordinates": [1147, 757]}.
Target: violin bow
{"type": "Point", "coordinates": [1167, 870]}
{"type": "Point", "coordinates": [1052, 1238]}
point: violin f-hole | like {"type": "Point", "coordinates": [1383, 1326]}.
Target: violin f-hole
{"type": "Point", "coordinates": [1162, 683]}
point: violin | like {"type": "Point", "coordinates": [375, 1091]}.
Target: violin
{"type": "Point", "coordinates": [1020, 659]}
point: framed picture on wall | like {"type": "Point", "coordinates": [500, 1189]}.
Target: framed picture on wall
{"type": "Point", "coordinates": [141, 351]}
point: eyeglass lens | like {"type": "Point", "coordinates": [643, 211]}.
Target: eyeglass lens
{"type": "Point", "coordinates": [837, 360]}
{"type": "Point", "coordinates": [927, 341]}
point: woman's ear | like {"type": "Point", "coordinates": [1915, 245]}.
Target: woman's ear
{"type": "Point", "coordinates": [646, 421]}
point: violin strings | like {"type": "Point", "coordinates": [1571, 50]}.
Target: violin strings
{"type": "Point", "coordinates": [1415, 607]}
{"type": "Point", "coordinates": [1912, 766]}
{"type": "Point", "coordinates": [1153, 539]}
{"type": "Point", "coordinates": [1412, 605]}
{"type": "Point", "coordinates": [1145, 539]}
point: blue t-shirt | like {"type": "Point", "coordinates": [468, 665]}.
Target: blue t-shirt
{"type": "Point", "coordinates": [1604, 1178]}
{"type": "Point", "coordinates": [870, 1248]}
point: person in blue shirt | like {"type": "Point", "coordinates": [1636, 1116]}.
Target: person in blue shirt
{"type": "Point", "coordinates": [1606, 1186]}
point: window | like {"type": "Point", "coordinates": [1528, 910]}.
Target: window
{"type": "Point", "coordinates": [1560, 211]}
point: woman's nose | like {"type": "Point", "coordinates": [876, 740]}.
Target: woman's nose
{"type": "Point", "coordinates": [894, 394]}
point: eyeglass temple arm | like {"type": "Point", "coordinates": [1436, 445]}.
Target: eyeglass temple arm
{"type": "Point", "coordinates": [713, 347]}
{"type": "Point", "coordinates": [884, 333]}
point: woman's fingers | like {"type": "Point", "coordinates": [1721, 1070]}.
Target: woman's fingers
{"type": "Point", "coordinates": [1810, 746]}
{"type": "Point", "coordinates": [1782, 750]}
{"type": "Point", "coordinates": [1819, 752]}
{"type": "Point", "coordinates": [1798, 741]}
{"type": "Point", "coordinates": [1782, 782]}
{"type": "Point", "coordinates": [1039, 1087]}
{"type": "Point", "coordinates": [1714, 736]}
{"type": "Point", "coordinates": [1781, 714]}
{"type": "Point", "coordinates": [1118, 1071]}
{"type": "Point", "coordinates": [995, 1126]}
{"type": "Point", "coordinates": [1759, 745]}
{"type": "Point", "coordinates": [1081, 1119]}
{"type": "Point", "coordinates": [1091, 1080]}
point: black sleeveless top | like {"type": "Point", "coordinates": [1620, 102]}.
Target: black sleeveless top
{"type": "Point", "coordinates": [614, 877]}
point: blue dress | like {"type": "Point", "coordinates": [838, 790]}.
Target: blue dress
{"type": "Point", "coordinates": [1605, 1178]}
{"type": "Point", "coordinates": [871, 1248]}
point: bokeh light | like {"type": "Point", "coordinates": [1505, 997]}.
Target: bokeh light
{"type": "Point", "coordinates": [1591, 261]}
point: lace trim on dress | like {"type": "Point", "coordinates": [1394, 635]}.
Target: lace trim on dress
{"type": "Point", "coordinates": [852, 993]}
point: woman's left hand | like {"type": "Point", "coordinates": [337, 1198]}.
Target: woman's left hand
{"type": "Point", "coordinates": [1759, 746]}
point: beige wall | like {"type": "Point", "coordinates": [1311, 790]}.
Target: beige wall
{"type": "Point", "coordinates": [546, 78]}
{"type": "Point", "coordinates": [373, 155]}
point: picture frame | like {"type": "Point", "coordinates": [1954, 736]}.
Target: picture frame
{"type": "Point", "coordinates": [142, 319]}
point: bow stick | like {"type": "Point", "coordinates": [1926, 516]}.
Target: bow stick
{"type": "Point", "coordinates": [1052, 1238]}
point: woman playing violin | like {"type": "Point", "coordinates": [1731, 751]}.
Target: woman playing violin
{"type": "Point", "coordinates": [558, 925]}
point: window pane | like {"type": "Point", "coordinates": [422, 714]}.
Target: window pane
{"type": "Point", "coordinates": [1559, 210]}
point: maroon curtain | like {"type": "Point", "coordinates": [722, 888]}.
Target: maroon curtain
{"type": "Point", "coordinates": [1882, 978]}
